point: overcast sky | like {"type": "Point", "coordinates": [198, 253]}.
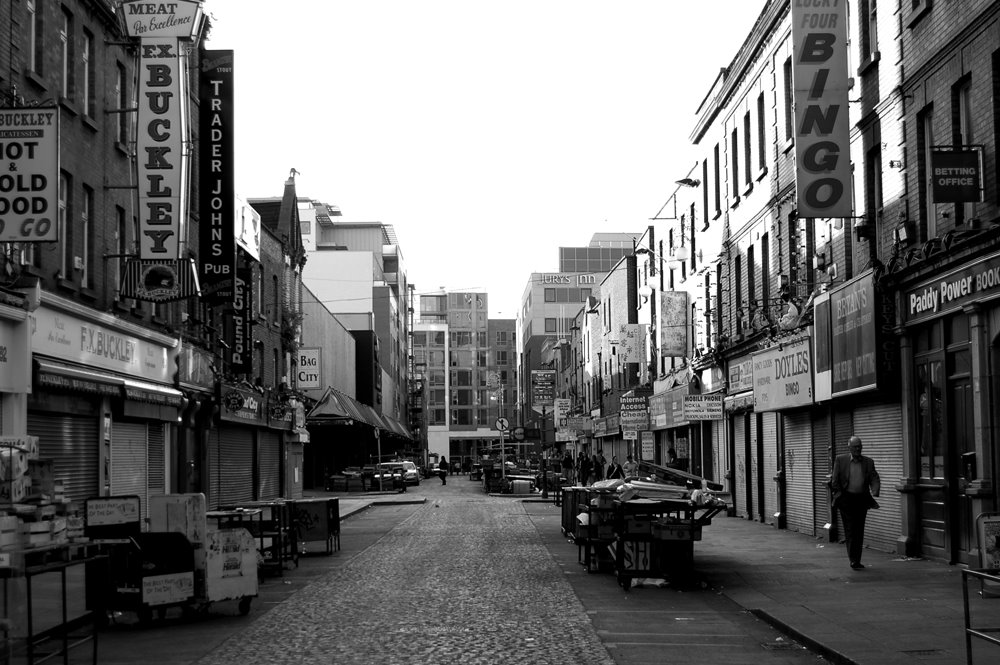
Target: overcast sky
{"type": "Point", "coordinates": [488, 134]}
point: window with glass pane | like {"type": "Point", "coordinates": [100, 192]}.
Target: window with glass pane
{"type": "Point", "coordinates": [550, 325]}
{"type": "Point", "coordinates": [930, 405]}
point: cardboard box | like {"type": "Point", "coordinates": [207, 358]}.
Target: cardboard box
{"type": "Point", "coordinates": [676, 531]}
{"type": "Point", "coordinates": [42, 480]}
{"type": "Point", "coordinates": [12, 491]}
{"type": "Point", "coordinates": [13, 463]}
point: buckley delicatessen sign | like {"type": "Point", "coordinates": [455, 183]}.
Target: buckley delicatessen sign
{"type": "Point", "coordinates": [29, 174]}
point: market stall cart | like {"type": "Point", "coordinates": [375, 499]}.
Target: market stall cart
{"type": "Point", "coordinates": [225, 559]}
{"type": "Point", "coordinates": [655, 538]}
{"type": "Point", "coordinates": [316, 521]}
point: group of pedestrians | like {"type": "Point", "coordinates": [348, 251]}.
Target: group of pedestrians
{"type": "Point", "coordinates": [588, 469]}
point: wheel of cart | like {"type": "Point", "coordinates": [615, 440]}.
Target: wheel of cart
{"type": "Point", "coordinates": [245, 605]}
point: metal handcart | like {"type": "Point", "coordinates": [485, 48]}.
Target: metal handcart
{"type": "Point", "coordinates": [655, 538]}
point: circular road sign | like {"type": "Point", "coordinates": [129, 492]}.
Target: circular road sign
{"type": "Point", "coordinates": [503, 424]}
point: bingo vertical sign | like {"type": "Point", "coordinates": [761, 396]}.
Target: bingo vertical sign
{"type": "Point", "coordinates": [822, 127]}
{"type": "Point", "coordinates": [29, 174]}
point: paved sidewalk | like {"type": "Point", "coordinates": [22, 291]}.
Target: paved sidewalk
{"type": "Point", "coordinates": [896, 610]}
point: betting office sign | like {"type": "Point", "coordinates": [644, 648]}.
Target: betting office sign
{"type": "Point", "coordinates": [956, 175]}
{"type": "Point", "coordinates": [822, 127]}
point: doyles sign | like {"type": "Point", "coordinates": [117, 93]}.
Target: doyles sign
{"type": "Point", "coordinates": [309, 372]}
{"type": "Point", "coordinates": [782, 376]}
{"type": "Point", "coordinates": [29, 174]}
{"type": "Point", "coordinates": [822, 128]}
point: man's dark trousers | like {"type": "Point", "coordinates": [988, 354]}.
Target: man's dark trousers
{"type": "Point", "coordinates": [854, 512]}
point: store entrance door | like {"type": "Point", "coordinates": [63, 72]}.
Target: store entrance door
{"type": "Point", "coordinates": [961, 469]}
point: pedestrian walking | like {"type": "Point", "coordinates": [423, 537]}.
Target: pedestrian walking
{"type": "Point", "coordinates": [854, 486]}
{"type": "Point", "coordinates": [567, 467]}
{"type": "Point", "coordinates": [630, 468]}
{"type": "Point", "coordinates": [584, 470]}
{"type": "Point", "coordinates": [597, 468]}
{"type": "Point", "coordinates": [443, 470]}
{"type": "Point", "coordinates": [615, 469]}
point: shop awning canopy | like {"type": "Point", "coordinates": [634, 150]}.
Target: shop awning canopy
{"type": "Point", "coordinates": [336, 407]}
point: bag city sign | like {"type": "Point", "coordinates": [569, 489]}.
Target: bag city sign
{"type": "Point", "coordinates": [309, 373]}
{"type": "Point", "coordinates": [29, 174]}
{"type": "Point", "coordinates": [822, 128]}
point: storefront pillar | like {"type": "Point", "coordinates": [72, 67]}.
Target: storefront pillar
{"type": "Point", "coordinates": [980, 488]}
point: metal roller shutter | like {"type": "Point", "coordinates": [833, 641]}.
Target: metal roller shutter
{"type": "Point", "coordinates": [269, 465]}
{"type": "Point", "coordinates": [821, 469]}
{"type": "Point", "coordinates": [72, 443]}
{"type": "Point", "coordinates": [129, 462]}
{"type": "Point", "coordinates": [720, 458]}
{"type": "Point", "coordinates": [880, 427]}
{"type": "Point", "coordinates": [798, 472]}
{"type": "Point", "coordinates": [233, 473]}
{"type": "Point", "coordinates": [740, 462]}
{"type": "Point", "coordinates": [157, 482]}
{"type": "Point", "coordinates": [769, 465]}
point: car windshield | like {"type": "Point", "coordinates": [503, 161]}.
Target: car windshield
{"type": "Point", "coordinates": [389, 466]}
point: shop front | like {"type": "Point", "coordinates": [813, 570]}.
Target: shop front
{"type": "Point", "coordinates": [672, 431]}
{"type": "Point", "coordinates": [234, 459]}
{"type": "Point", "coordinates": [102, 405]}
{"type": "Point", "coordinates": [15, 362]}
{"type": "Point", "coordinates": [783, 394]}
{"type": "Point", "coordinates": [742, 426]}
{"type": "Point", "coordinates": [857, 374]}
{"type": "Point", "coordinates": [950, 370]}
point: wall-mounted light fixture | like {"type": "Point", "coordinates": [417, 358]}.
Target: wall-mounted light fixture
{"type": "Point", "coordinates": [688, 182]}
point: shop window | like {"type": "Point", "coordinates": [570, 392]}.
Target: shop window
{"type": "Point", "coordinates": [958, 328]}
{"type": "Point", "coordinates": [930, 407]}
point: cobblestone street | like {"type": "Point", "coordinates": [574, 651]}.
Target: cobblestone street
{"type": "Point", "coordinates": [458, 581]}
{"type": "Point", "coordinates": [454, 577]}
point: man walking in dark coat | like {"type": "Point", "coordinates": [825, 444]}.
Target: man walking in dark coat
{"type": "Point", "coordinates": [854, 485]}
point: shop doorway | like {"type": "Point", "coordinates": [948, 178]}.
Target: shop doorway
{"type": "Point", "coordinates": [945, 439]}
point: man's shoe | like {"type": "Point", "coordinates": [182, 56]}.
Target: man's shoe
{"type": "Point", "coordinates": [857, 565]}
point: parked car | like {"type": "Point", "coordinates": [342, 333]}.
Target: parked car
{"type": "Point", "coordinates": [385, 470]}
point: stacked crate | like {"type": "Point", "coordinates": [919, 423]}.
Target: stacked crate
{"type": "Point", "coordinates": [32, 502]}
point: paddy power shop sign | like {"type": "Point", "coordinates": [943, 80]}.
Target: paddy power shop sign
{"type": "Point", "coordinates": [950, 292]}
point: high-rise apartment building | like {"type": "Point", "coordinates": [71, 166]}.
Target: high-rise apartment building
{"type": "Point", "coordinates": [468, 367]}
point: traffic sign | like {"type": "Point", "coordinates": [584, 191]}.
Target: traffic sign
{"type": "Point", "coordinates": [502, 424]}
